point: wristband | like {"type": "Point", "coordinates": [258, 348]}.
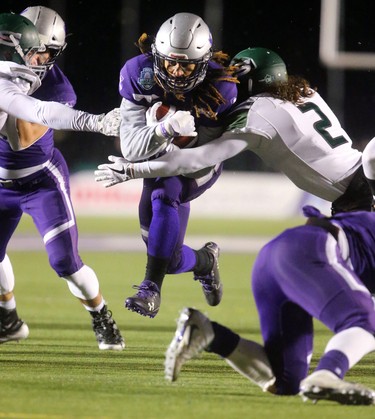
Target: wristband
{"type": "Point", "coordinates": [164, 132]}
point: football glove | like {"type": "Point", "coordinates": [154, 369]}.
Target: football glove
{"type": "Point", "coordinates": [109, 123]}
{"type": "Point", "coordinates": [180, 124]}
{"type": "Point", "coordinates": [119, 171]}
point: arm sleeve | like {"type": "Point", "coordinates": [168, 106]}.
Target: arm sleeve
{"type": "Point", "coordinates": [138, 141]}
{"type": "Point", "coordinates": [184, 161]}
{"type": "Point", "coordinates": [51, 114]}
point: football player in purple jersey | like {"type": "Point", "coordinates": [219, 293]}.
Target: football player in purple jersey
{"type": "Point", "coordinates": [34, 179]}
{"type": "Point", "coordinates": [178, 68]}
{"type": "Point", "coordinates": [323, 270]}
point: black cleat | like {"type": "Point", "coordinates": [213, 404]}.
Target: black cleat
{"type": "Point", "coordinates": [106, 331]}
{"type": "Point", "coordinates": [146, 301]}
{"type": "Point", "coordinates": [211, 284]}
{"type": "Point", "coordinates": [11, 326]}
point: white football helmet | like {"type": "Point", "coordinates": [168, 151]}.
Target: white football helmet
{"type": "Point", "coordinates": [186, 39]}
{"type": "Point", "coordinates": [51, 28]}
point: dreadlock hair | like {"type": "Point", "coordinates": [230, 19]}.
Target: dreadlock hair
{"type": "Point", "coordinates": [293, 90]}
{"type": "Point", "coordinates": [205, 91]}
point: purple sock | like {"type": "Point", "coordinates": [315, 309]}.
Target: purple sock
{"type": "Point", "coordinates": [334, 361]}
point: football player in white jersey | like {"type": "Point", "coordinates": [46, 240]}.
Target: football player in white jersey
{"type": "Point", "coordinates": [286, 123]}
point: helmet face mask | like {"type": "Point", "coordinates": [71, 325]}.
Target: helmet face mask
{"type": "Point", "coordinates": [19, 39]}
{"type": "Point", "coordinates": [51, 28]}
{"type": "Point", "coordinates": [186, 40]}
{"type": "Point", "coordinates": [260, 67]}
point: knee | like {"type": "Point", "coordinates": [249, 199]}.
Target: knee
{"type": "Point", "coordinates": [64, 265]}
{"type": "Point", "coordinates": [160, 201]}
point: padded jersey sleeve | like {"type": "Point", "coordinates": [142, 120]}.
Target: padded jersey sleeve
{"type": "Point", "coordinates": [185, 161]}
{"type": "Point", "coordinates": [138, 141]}
{"type": "Point", "coordinates": [51, 114]}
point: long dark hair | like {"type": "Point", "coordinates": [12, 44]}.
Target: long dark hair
{"type": "Point", "coordinates": [293, 90]}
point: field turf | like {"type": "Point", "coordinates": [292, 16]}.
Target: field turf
{"type": "Point", "coordinates": [58, 372]}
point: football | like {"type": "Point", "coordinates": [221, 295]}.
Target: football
{"type": "Point", "coordinates": [165, 110]}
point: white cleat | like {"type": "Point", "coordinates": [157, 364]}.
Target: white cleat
{"type": "Point", "coordinates": [324, 385]}
{"type": "Point", "coordinates": [193, 334]}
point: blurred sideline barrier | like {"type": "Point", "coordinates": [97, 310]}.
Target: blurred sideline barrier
{"type": "Point", "coordinates": [235, 195]}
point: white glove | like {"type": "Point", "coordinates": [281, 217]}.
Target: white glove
{"type": "Point", "coordinates": [180, 124]}
{"type": "Point", "coordinates": [151, 112]}
{"type": "Point", "coordinates": [120, 171]}
{"type": "Point", "coordinates": [109, 123]}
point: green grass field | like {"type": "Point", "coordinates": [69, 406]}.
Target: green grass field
{"type": "Point", "coordinates": [58, 372]}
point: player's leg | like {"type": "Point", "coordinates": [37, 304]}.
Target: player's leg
{"type": "Point", "coordinates": [159, 221]}
{"type": "Point", "coordinates": [163, 229]}
{"type": "Point", "coordinates": [58, 229]}
{"type": "Point", "coordinates": [196, 333]}
{"type": "Point", "coordinates": [206, 265]}
{"type": "Point", "coordinates": [11, 326]}
{"type": "Point", "coordinates": [287, 329]}
{"type": "Point", "coordinates": [315, 276]}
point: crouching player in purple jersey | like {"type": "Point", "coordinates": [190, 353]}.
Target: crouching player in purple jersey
{"type": "Point", "coordinates": [35, 180]}
{"type": "Point", "coordinates": [323, 270]}
{"type": "Point", "coordinates": [179, 68]}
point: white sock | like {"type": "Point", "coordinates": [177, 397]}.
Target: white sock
{"type": "Point", "coordinates": [9, 305]}
{"type": "Point", "coordinates": [354, 343]}
{"type": "Point", "coordinates": [97, 308]}
{"type": "Point", "coordinates": [251, 361]}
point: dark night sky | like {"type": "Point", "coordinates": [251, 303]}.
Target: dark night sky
{"type": "Point", "coordinates": [97, 50]}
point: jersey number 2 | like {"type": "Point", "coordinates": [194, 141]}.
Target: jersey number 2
{"type": "Point", "coordinates": [322, 125]}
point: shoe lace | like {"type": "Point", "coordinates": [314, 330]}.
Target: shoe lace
{"type": "Point", "coordinates": [106, 328]}
{"type": "Point", "coordinates": [145, 291]}
{"type": "Point", "coordinates": [205, 280]}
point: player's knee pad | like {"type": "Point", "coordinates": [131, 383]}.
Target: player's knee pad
{"type": "Point", "coordinates": [83, 284]}
{"type": "Point", "coordinates": [64, 264]}
{"type": "Point", "coordinates": [6, 276]}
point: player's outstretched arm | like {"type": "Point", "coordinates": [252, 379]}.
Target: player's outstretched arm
{"type": "Point", "coordinates": [176, 162]}
{"type": "Point", "coordinates": [56, 115]}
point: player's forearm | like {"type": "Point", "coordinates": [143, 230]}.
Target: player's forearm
{"type": "Point", "coordinates": [180, 162]}
{"type": "Point", "coordinates": [52, 114]}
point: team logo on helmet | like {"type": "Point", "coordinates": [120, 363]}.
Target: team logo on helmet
{"type": "Point", "coordinates": [268, 79]}
{"type": "Point", "coordinates": [146, 78]}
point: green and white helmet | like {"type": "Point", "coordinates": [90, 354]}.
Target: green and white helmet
{"type": "Point", "coordinates": [260, 67]}
{"type": "Point", "coordinates": [19, 39]}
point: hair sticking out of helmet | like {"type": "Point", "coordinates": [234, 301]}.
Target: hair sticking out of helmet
{"type": "Point", "coordinates": [51, 28]}
{"type": "Point", "coordinates": [258, 68]}
{"type": "Point", "coordinates": [19, 39]}
{"type": "Point", "coordinates": [186, 40]}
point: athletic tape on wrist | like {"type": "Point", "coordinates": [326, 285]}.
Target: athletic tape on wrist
{"type": "Point", "coordinates": [164, 132]}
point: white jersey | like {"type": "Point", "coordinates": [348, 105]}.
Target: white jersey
{"type": "Point", "coordinates": [306, 142]}
{"type": "Point", "coordinates": [16, 83]}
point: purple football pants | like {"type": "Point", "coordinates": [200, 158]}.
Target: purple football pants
{"type": "Point", "coordinates": [298, 276]}
{"type": "Point", "coordinates": [164, 211]}
{"type": "Point", "coordinates": [45, 196]}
